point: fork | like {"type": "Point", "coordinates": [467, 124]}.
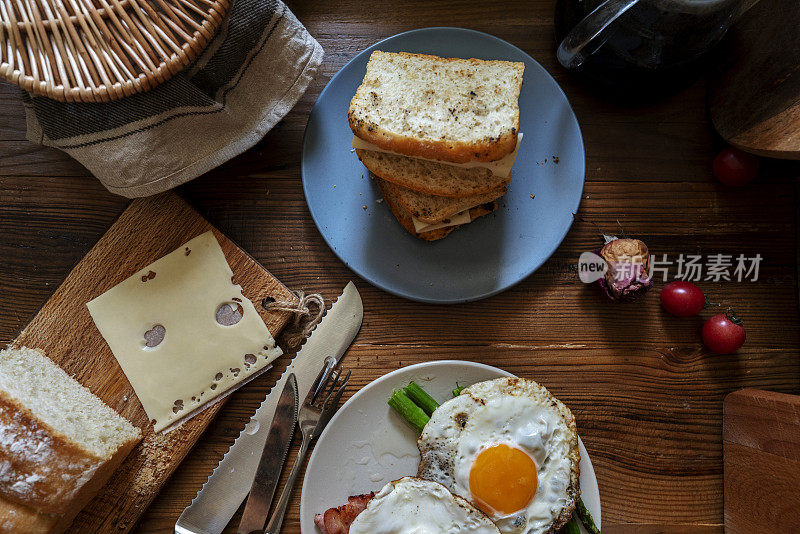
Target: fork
{"type": "Point", "coordinates": [318, 407]}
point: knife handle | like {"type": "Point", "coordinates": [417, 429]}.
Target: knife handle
{"type": "Point", "coordinates": [276, 521]}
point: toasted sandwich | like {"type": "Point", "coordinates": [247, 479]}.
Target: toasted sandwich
{"type": "Point", "coordinates": [439, 135]}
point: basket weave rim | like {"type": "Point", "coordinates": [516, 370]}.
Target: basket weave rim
{"type": "Point", "coordinates": [103, 12]}
{"type": "Point", "coordinates": [102, 88]}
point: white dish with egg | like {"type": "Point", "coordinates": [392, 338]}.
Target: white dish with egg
{"type": "Point", "coordinates": [367, 445]}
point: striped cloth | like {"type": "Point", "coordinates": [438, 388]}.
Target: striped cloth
{"type": "Point", "coordinates": [252, 73]}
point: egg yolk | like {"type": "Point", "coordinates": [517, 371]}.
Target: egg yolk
{"type": "Point", "coordinates": [503, 479]}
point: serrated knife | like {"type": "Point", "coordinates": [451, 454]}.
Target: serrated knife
{"type": "Point", "coordinates": [226, 488]}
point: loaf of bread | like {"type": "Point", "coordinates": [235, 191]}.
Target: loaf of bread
{"type": "Point", "coordinates": [59, 443]}
{"type": "Point", "coordinates": [447, 109]}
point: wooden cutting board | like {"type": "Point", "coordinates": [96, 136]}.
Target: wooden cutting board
{"type": "Point", "coordinates": [761, 449]}
{"type": "Point", "coordinates": [146, 231]}
{"type": "Point", "coordinates": [754, 100]}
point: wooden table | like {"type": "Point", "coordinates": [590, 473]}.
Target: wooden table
{"type": "Point", "coordinates": [646, 395]}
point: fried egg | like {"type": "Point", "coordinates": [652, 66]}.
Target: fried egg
{"type": "Point", "coordinates": [511, 449]}
{"type": "Point", "coordinates": [414, 506]}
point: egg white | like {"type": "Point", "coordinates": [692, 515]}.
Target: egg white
{"type": "Point", "coordinates": [415, 506]}
{"type": "Point", "coordinates": [521, 414]}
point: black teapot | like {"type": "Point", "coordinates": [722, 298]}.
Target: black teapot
{"type": "Point", "coordinates": [627, 43]}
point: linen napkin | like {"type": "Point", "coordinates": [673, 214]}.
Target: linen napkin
{"type": "Point", "coordinates": [251, 74]}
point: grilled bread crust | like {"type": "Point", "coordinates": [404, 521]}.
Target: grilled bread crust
{"type": "Point", "coordinates": [433, 209]}
{"type": "Point", "coordinates": [429, 177]}
{"type": "Point", "coordinates": [405, 219]}
{"type": "Point", "coordinates": [448, 109]}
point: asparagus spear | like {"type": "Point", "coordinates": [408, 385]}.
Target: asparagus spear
{"type": "Point", "coordinates": [572, 527]}
{"type": "Point", "coordinates": [421, 398]}
{"type": "Point", "coordinates": [409, 411]}
{"type": "Point", "coordinates": [586, 518]}
{"type": "Point", "coordinates": [415, 405]}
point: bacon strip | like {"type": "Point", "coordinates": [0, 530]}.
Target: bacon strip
{"type": "Point", "coordinates": [338, 520]}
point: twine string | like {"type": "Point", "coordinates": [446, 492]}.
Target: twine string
{"type": "Point", "coordinates": [307, 309]}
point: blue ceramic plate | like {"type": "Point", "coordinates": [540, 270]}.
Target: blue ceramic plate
{"type": "Point", "coordinates": [481, 258]}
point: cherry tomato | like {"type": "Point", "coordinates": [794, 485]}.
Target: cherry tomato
{"type": "Point", "coordinates": [734, 167]}
{"type": "Point", "coordinates": [723, 333]}
{"type": "Point", "coordinates": [682, 299]}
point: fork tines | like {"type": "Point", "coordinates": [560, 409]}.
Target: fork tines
{"type": "Point", "coordinates": [329, 384]}
{"type": "Point", "coordinates": [337, 387]}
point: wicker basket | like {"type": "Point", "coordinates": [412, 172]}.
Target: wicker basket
{"type": "Point", "coordinates": [101, 50]}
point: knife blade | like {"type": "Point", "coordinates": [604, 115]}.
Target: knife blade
{"type": "Point", "coordinates": [270, 466]}
{"type": "Point", "coordinates": [226, 488]}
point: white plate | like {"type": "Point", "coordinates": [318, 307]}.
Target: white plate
{"type": "Point", "coordinates": [367, 445]}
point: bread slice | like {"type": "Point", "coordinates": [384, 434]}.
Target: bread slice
{"type": "Point", "coordinates": [447, 109]}
{"type": "Point", "coordinates": [15, 518]}
{"type": "Point", "coordinates": [430, 177]}
{"type": "Point", "coordinates": [433, 209]}
{"type": "Point", "coordinates": [58, 443]}
{"type": "Point", "coordinates": [407, 222]}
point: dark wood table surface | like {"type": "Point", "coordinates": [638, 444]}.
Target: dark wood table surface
{"type": "Point", "coordinates": [646, 395]}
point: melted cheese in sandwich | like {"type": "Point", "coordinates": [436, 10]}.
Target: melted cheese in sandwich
{"type": "Point", "coordinates": [501, 167]}
{"type": "Point", "coordinates": [462, 217]}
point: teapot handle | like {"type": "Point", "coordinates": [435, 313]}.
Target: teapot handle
{"type": "Point", "coordinates": [570, 51]}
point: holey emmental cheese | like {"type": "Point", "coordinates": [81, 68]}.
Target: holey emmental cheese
{"type": "Point", "coordinates": [173, 329]}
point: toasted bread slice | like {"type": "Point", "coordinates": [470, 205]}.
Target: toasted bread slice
{"type": "Point", "coordinates": [447, 109]}
{"type": "Point", "coordinates": [433, 209]}
{"type": "Point", "coordinates": [406, 220]}
{"type": "Point", "coordinates": [430, 177]}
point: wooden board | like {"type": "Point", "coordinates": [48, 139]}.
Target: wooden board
{"type": "Point", "coordinates": [147, 230]}
{"type": "Point", "coordinates": [755, 100]}
{"type": "Point", "coordinates": [761, 451]}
